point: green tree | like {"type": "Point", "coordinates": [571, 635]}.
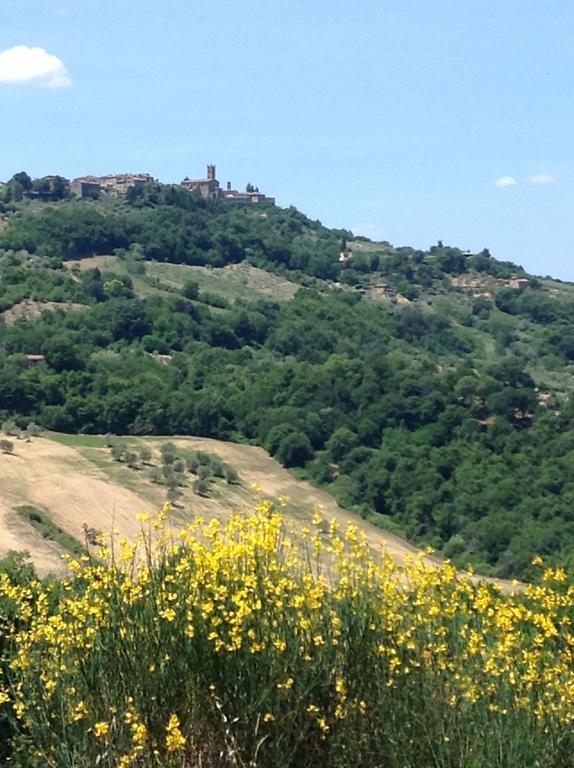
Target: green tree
{"type": "Point", "coordinates": [168, 453]}
{"type": "Point", "coordinates": [294, 450]}
{"type": "Point", "coordinates": [341, 443]}
{"type": "Point", "coordinates": [191, 290]}
{"type": "Point", "coordinates": [145, 454]}
{"type": "Point", "coordinates": [23, 179]}
{"type": "Point", "coordinates": [201, 487]}
{"type": "Point", "coordinates": [62, 353]}
{"type": "Point", "coordinates": [172, 494]}
{"type": "Point", "coordinates": [231, 475]}
{"type": "Point", "coordinates": [118, 452]}
{"type": "Point", "coordinates": [156, 475]}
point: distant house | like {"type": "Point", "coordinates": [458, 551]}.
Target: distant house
{"type": "Point", "coordinates": [478, 286]}
{"type": "Point", "coordinates": [119, 184]}
{"type": "Point", "coordinates": [383, 289]}
{"type": "Point", "coordinates": [518, 283]}
{"type": "Point", "coordinates": [162, 359]}
{"type": "Point", "coordinates": [33, 361]}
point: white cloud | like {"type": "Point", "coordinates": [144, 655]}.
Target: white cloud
{"type": "Point", "coordinates": [542, 178]}
{"type": "Point", "coordinates": [33, 65]}
{"type": "Point", "coordinates": [506, 181]}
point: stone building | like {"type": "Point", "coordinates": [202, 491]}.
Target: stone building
{"type": "Point", "coordinates": [518, 283]}
{"type": "Point", "coordinates": [210, 189]}
{"type": "Point", "coordinates": [252, 197]}
{"type": "Point", "coordinates": [113, 185]}
{"type": "Point", "coordinates": [119, 184]}
{"type": "Point", "coordinates": [86, 187]}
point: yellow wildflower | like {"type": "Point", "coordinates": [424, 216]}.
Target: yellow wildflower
{"type": "Point", "coordinates": [174, 738]}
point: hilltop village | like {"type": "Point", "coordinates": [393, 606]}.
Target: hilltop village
{"type": "Point", "coordinates": [120, 184]}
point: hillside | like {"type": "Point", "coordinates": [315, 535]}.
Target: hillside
{"type": "Point", "coordinates": [427, 391]}
{"type": "Point", "coordinates": [231, 645]}
{"type": "Point", "coordinates": [70, 482]}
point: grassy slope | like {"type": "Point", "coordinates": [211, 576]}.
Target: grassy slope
{"type": "Point", "coordinates": [73, 481]}
{"type": "Point", "coordinates": [233, 282]}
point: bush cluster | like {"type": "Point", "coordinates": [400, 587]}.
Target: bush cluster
{"type": "Point", "coordinates": [249, 645]}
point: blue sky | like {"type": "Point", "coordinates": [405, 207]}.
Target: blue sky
{"type": "Point", "coordinates": [392, 118]}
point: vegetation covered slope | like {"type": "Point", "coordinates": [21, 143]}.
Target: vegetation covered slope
{"type": "Point", "coordinates": [425, 389]}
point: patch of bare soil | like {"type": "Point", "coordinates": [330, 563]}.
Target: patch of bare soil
{"type": "Point", "coordinates": [30, 309]}
{"type": "Point", "coordinates": [93, 262]}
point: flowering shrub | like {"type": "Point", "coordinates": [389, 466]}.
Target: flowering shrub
{"type": "Point", "coordinates": [247, 644]}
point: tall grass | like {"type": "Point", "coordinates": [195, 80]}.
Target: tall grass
{"type": "Point", "coordinates": [241, 646]}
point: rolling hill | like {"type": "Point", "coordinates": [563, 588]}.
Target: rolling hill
{"type": "Point", "coordinates": [72, 481]}
{"type": "Point", "coordinates": [427, 391]}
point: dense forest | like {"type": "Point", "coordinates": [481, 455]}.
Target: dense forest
{"type": "Point", "coordinates": [433, 407]}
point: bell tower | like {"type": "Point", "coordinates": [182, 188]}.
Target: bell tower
{"type": "Point", "coordinates": [211, 173]}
